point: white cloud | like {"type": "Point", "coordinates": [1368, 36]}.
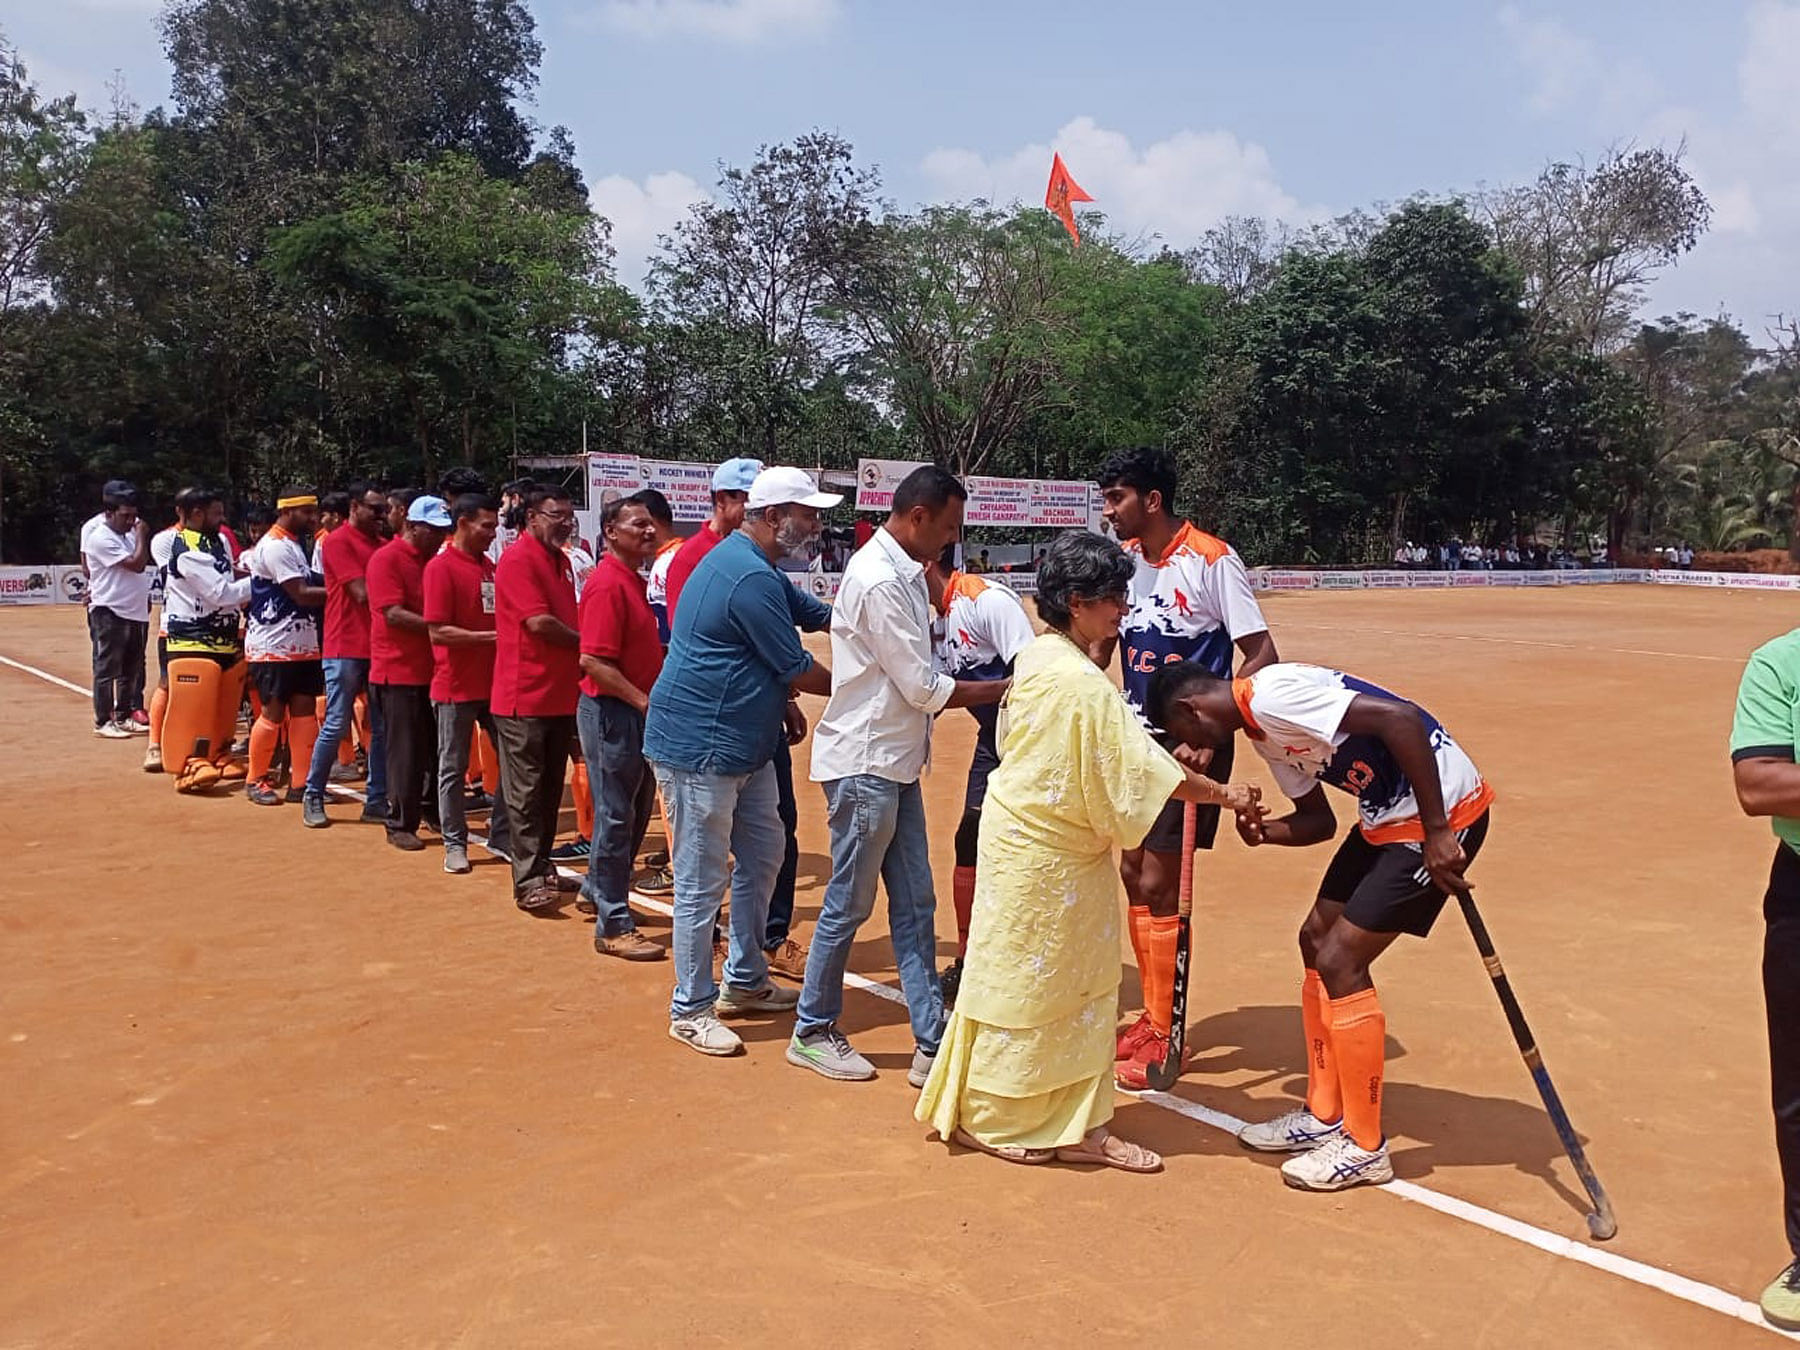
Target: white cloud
{"type": "Point", "coordinates": [735, 21]}
{"type": "Point", "coordinates": [1174, 188]}
{"type": "Point", "coordinates": [1766, 72]}
{"type": "Point", "coordinates": [640, 213]}
{"type": "Point", "coordinates": [1569, 70]}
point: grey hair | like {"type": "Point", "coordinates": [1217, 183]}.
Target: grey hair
{"type": "Point", "coordinates": [1079, 565]}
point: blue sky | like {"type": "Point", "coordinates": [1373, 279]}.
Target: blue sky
{"type": "Point", "coordinates": [1171, 115]}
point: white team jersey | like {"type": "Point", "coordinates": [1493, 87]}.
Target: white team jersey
{"type": "Point", "coordinates": [1293, 714]}
{"type": "Point", "coordinates": [656, 588]}
{"type": "Point", "coordinates": [279, 629]}
{"type": "Point", "coordinates": [581, 562]}
{"type": "Point", "coordinates": [983, 630]}
{"type": "Point", "coordinates": [162, 547]}
{"type": "Point", "coordinates": [503, 539]}
{"type": "Point", "coordinates": [1191, 606]}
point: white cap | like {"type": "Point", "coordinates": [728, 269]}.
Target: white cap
{"type": "Point", "coordinates": [784, 487]}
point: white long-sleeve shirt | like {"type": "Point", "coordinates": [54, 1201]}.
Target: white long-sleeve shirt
{"type": "Point", "coordinates": [884, 690]}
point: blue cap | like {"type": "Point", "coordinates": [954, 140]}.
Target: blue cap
{"type": "Point", "coordinates": [736, 475]}
{"type": "Point", "coordinates": [429, 511]}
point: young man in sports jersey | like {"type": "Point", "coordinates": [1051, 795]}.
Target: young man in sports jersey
{"type": "Point", "coordinates": [982, 626]}
{"type": "Point", "coordinates": [1422, 811]}
{"type": "Point", "coordinates": [203, 599]}
{"type": "Point", "coordinates": [282, 643]}
{"type": "Point", "coordinates": [1190, 600]}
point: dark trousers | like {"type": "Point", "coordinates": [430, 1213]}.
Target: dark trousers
{"type": "Point", "coordinates": [624, 797]}
{"type": "Point", "coordinates": [411, 729]}
{"type": "Point", "coordinates": [534, 756]}
{"type": "Point", "coordinates": [1781, 993]}
{"type": "Point", "coordinates": [781, 901]}
{"type": "Point", "coordinates": [118, 663]}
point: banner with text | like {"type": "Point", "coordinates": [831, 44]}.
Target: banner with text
{"type": "Point", "coordinates": [1026, 503]}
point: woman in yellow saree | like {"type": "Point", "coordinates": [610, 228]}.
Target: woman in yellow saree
{"type": "Point", "coordinates": [1025, 1071]}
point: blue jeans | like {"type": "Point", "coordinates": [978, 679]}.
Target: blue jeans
{"type": "Point", "coordinates": [877, 833]}
{"type": "Point", "coordinates": [624, 798]}
{"type": "Point", "coordinates": [715, 819]}
{"type": "Point", "coordinates": [345, 678]}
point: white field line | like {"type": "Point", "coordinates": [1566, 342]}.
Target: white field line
{"type": "Point", "coordinates": [1509, 642]}
{"type": "Point", "coordinates": [1555, 1244]}
{"type": "Point", "coordinates": [46, 675]}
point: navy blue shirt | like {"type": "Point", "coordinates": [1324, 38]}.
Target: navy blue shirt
{"type": "Point", "coordinates": [716, 707]}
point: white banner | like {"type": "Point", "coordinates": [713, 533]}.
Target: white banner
{"type": "Point", "coordinates": [30, 585]}
{"type": "Point", "coordinates": [687, 485]}
{"type": "Point", "coordinates": [1024, 503]}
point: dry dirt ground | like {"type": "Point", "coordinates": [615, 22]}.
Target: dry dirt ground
{"type": "Point", "coordinates": [271, 1087]}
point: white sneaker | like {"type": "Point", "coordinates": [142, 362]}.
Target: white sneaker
{"type": "Point", "coordinates": [736, 1002]}
{"type": "Point", "coordinates": [1299, 1131]}
{"type": "Point", "coordinates": [1338, 1164]}
{"type": "Point", "coordinates": [112, 731]}
{"type": "Point", "coordinates": [706, 1033]}
{"type": "Point", "coordinates": [920, 1069]}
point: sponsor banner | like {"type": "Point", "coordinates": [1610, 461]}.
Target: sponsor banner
{"type": "Point", "coordinates": [821, 585]}
{"type": "Point", "coordinates": [1438, 580]}
{"type": "Point", "coordinates": [1024, 503]}
{"type": "Point", "coordinates": [876, 480]}
{"type": "Point", "coordinates": [1388, 580]}
{"type": "Point", "coordinates": [1287, 581]}
{"type": "Point", "coordinates": [1056, 505]}
{"type": "Point", "coordinates": [687, 485]}
{"type": "Point", "coordinates": [1000, 501]}
{"type": "Point", "coordinates": [1466, 578]}
{"type": "Point", "coordinates": [1738, 581]}
{"type": "Point", "coordinates": [72, 586]}
{"type": "Point", "coordinates": [1342, 581]}
{"type": "Point", "coordinates": [30, 585]}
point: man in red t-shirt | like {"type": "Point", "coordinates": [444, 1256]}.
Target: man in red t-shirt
{"type": "Point", "coordinates": [401, 666]}
{"type": "Point", "coordinates": [459, 614]}
{"type": "Point", "coordinates": [536, 684]}
{"type": "Point", "coordinates": [730, 490]}
{"type": "Point", "coordinates": [621, 656]}
{"type": "Point", "coordinates": [344, 559]}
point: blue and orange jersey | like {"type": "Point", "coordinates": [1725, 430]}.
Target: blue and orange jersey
{"type": "Point", "coordinates": [1192, 605]}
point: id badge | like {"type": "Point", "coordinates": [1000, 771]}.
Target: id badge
{"type": "Point", "coordinates": [487, 597]}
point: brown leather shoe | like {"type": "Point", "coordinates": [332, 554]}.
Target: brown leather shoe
{"type": "Point", "coordinates": [538, 897]}
{"type": "Point", "coordinates": [788, 961]}
{"type": "Point", "coordinates": [632, 946]}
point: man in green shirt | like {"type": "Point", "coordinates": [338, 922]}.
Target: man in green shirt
{"type": "Point", "coordinates": [1765, 742]}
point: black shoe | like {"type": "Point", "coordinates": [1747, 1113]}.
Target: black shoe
{"type": "Point", "coordinates": [576, 850]}
{"type": "Point", "coordinates": [373, 813]}
{"type": "Point", "coordinates": [406, 841]}
{"type": "Point", "coordinates": [477, 800]}
{"type": "Point", "coordinates": [950, 981]}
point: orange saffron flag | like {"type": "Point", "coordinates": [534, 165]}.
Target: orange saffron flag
{"type": "Point", "coordinates": [1063, 191]}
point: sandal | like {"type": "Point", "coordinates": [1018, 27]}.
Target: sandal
{"type": "Point", "coordinates": [1028, 1157]}
{"type": "Point", "coordinates": [1112, 1152]}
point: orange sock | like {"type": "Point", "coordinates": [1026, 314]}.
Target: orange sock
{"type": "Point", "coordinates": [490, 766]}
{"type": "Point", "coordinates": [1323, 1097]}
{"type": "Point", "coordinates": [1137, 922]}
{"type": "Point", "coordinates": [1164, 937]}
{"type": "Point", "coordinates": [264, 737]}
{"type": "Point", "coordinates": [302, 732]}
{"type": "Point", "coordinates": [1359, 1038]}
{"type": "Point", "coordinates": [584, 802]}
{"type": "Point", "coordinates": [962, 894]}
{"type": "Point", "coordinates": [159, 709]}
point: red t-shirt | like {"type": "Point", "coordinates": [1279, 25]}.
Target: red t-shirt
{"type": "Point", "coordinates": [459, 591]}
{"type": "Point", "coordinates": [345, 556]}
{"type": "Point", "coordinates": [396, 576]}
{"type": "Point", "coordinates": [618, 624]}
{"type": "Point", "coordinates": [695, 547]}
{"type": "Point", "coordinates": [532, 677]}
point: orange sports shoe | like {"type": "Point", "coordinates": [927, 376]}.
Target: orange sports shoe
{"type": "Point", "coordinates": [1132, 1037]}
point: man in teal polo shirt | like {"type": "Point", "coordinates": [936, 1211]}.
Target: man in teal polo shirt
{"type": "Point", "coordinates": [715, 717]}
{"type": "Point", "coordinates": [1765, 736]}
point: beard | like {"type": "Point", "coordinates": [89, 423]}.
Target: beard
{"type": "Point", "coordinates": [792, 535]}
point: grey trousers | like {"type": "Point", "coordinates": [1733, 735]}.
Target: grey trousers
{"type": "Point", "coordinates": [455, 723]}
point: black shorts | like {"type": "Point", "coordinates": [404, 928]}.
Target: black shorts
{"type": "Point", "coordinates": [162, 658]}
{"type": "Point", "coordinates": [278, 681]}
{"type": "Point", "coordinates": [1385, 887]}
{"type": "Point", "coordinates": [1165, 834]}
{"type": "Point", "coordinates": [986, 760]}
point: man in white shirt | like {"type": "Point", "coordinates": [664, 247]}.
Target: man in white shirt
{"type": "Point", "coordinates": [282, 641]}
{"type": "Point", "coordinates": [868, 751]}
{"type": "Point", "coordinates": [115, 550]}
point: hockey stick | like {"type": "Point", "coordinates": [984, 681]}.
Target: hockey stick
{"type": "Point", "coordinates": [1601, 1223]}
{"type": "Point", "coordinates": [1162, 1076]}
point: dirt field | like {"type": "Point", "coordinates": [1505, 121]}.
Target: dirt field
{"type": "Point", "coordinates": [269, 1087]}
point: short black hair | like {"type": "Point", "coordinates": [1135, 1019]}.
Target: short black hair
{"type": "Point", "coordinates": [1080, 565]}
{"type": "Point", "coordinates": [536, 494]}
{"type": "Point", "coordinates": [655, 503]}
{"type": "Point", "coordinates": [1144, 469]}
{"type": "Point", "coordinates": [194, 498]}
{"type": "Point", "coordinates": [610, 512]}
{"type": "Point", "coordinates": [402, 495]}
{"type": "Point", "coordinates": [1175, 680]}
{"type": "Point", "coordinates": [460, 481]}
{"type": "Point", "coordinates": [520, 486]}
{"type": "Point", "coordinates": [927, 486]}
{"type": "Point", "coordinates": [358, 488]}
{"type": "Point", "coordinates": [258, 514]}
{"type": "Point", "coordinates": [470, 504]}
{"type": "Point", "coordinates": [338, 503]}
{"type": "Point", "coordinates": [118, 492]}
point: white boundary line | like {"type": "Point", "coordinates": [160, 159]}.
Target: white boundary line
{"type": "Point", "coordinates": [1668, 1282]}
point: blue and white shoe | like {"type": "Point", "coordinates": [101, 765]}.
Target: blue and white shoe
{"type": "Point", "coordinates": [1337, 1165]}
{"type": "Point", "coordinates": [1299, 1131]}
